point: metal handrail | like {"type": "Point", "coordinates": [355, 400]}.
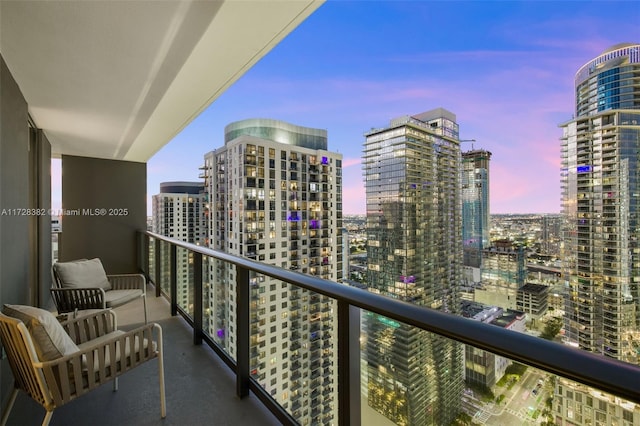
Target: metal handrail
{"type": "Point", "coordinates": [605, 374]}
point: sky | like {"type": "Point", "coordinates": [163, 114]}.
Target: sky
{"type": "Point", "coordinates": [505, 68]}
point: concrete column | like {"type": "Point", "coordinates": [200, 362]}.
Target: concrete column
{"type": "Point", "coordinates": [104, 204]}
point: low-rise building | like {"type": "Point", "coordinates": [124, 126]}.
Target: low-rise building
{"type": "Point", "coordinates": [481, 367]}
{"type": "Point", "coordinates": [532, 299]}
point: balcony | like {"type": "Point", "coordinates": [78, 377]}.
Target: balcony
{"type": "Point", "coordinates": [203, 381]}
{"type": "Point", "coordinates": [605, 374]}
{"type": "Point", "coordinates": [122, 102]}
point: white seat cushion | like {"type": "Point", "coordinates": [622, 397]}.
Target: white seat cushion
{"type": "Point", "coordinates": [48, 335]}
{"type": "Point", "coordinates": [115, 298]}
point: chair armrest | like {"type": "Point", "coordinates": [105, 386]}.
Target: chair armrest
{"type": "Point", "coordinates": [128, 282]}
{"type": "Point", "coordinates": [70, 299]}
{"type": "Point", "coordinates": [76, 374]}
{"type": "Point", "coordinates": [89, 327]}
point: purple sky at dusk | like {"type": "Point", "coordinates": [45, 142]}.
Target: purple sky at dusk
{"type": "Point", "coordinates": [505, 68]}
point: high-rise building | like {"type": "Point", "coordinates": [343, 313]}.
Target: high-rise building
{"type": "Point", "coordinates": [179, 212]}
{"type": "Point", "coordinates": [600, 249]}
{"type": "Point", "coordinates": [600, 184]}
{"type": "Point", "coordinates": [414, 251]}
{"type": "Point", "coordinates": [276, 196]}
{"type": "Point", "coordinates": [551, 234]}
{"type": "Point", "coordinates": [346, 252]}
{"type": "Point", "coordinates": [475, 205]}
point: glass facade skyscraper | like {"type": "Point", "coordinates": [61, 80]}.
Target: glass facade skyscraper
{"type": "Point", "coordinates": [414, 250]}
{"type": "Point", "coordinates": [601, 195]}
{"type": "Point", "coordinates": [475, 205]}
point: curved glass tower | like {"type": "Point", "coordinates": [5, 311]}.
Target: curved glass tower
{"type": "Point", "coordinates": [601, 192]}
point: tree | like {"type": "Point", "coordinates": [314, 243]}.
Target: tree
{"type": "Point", "coordinates": [551, 328]}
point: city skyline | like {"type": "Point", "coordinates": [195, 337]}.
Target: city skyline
{"type": "Point", "coordinates": [350, 67]}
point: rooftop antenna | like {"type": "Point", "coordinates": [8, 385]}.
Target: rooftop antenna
{"type": "Point", "coordinates": [468, 140]}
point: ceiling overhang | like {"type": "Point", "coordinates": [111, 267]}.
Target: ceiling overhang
{"type": "Point", "coordinates": [119, 79]}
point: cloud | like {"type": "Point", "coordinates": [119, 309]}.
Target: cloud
{"type": "Point", "coordinates": [354, 199]}
{"type": "Point", "coordinates": [349, 162]}
{"type": "Point", "coordinates": [512, 111]}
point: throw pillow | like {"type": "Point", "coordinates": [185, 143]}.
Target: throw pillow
{"type": "Point", "coordinates": [82, 274]}
{"type": "Point", "coordinates": [48, 335]}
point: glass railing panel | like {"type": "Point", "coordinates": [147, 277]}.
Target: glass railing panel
{"type": "Point", "coordinates": [184, 281]}
{"type": "Point", "coordinates": [574, 403]}
{"type": "Point", "coordinates": [165, 267]}
{"type": "Point", "coordinates": [151, 259]}
{"type": "Point", "coordinates": [218, 292]}
{"type": "Point", "coordinates": [525, 395]}
{"type": "Point", "coordinates": [293, 351]}
{"type": "Point", "coordinates": [407, 375]}
{"type": "Point", "coordinates": [410, 376]}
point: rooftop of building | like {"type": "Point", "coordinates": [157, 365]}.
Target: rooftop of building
{"type": "Point", "coordinates": [506, 246]}
{"type": "Point", "coordinates": [534, 288]}
{"type": "Point", "coordinates": [490, 314]}
{"type": "Point", "coordinates": [277, 131]}
{"type": "Point", "coordinates": [619, 46]}
{"type": "Point", "coordinates": [181, 187]}
{"type": "Point", "coordinates": [476, 153]}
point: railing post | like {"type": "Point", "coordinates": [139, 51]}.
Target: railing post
{"type": "Point", "coordinates": [158, 259]}
{"type": "Point", "coordinates": [141, 258]}
{"type": "Point", "coordinates": [173, 279]}
{"type": "Point", "coordinates": [197, 298]}
{"type": "Point", "coordinates": [349, 411]}
{"type": "Point", "coordinates": [242, 331]}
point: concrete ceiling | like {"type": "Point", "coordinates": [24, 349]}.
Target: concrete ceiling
{"type": "Point", "coordinates": [119, 79]}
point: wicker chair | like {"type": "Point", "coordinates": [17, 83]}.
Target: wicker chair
{"type": "Point", "coordinates": [83, 284]}
{"type": "Point", "coordinates": [95, 353]}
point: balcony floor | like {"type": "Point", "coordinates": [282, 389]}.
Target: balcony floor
{"type": "Point", "coordinates": [200, 388]}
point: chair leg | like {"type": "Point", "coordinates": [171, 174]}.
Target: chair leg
{"type": "Point", "coordinates": [47, 418]}
{"type": "Point", "coordinates": [144, 300]}
{"type": "Point", "coordinates": [7, 409]}
{"type": "Point", "coordinates": [163, 403]}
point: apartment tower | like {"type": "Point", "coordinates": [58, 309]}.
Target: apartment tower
{"type": "Point", "coordinates": [179, 212]}
{"type": "Point", "coordinates": [414, 250]}
{"type": "Point", "coordinates": [275, 196]}
{"type": "Point", "coordinates": [601, 251]}
{"type": "Point", "coordinates": [600, 159]}
{"type": "Point", "coordinates": [475, 205]}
